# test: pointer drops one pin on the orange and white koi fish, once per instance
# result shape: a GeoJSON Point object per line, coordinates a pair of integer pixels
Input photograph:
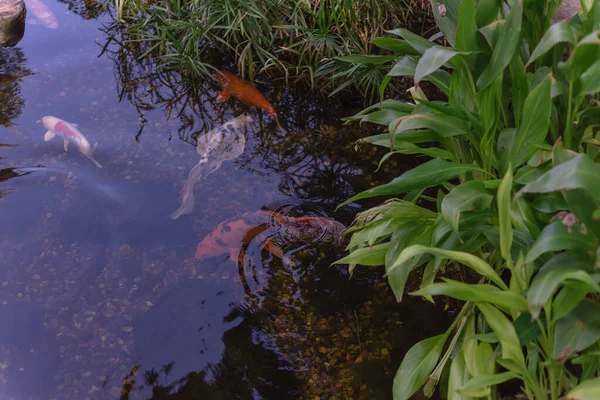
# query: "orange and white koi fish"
{"type": "Point", "coordinates": [42, 13]}
{"type": "Point", "coordinates": [70, 133]}
{"type": "Point", "coordinates": [244, 92]}
{"type": "Point", "coordinates": [272, 229]}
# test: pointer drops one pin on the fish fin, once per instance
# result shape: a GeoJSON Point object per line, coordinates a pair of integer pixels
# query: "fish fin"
{"type": "Point", "coordinates": [223, 96]}
{"type": "Point", "coordinates": [234, 254]}
{"type": "Point", "coordinates": [75, 125]}
{"type": "Point", "coordinates": [49, 135]}
{"type": "Point", "coordinates": [66, 144]}
{"type": "Point", "coordinates": [96, 163]}
{"type": "Point", "coordinates": [277, 252]}
{"type": "Point", "coordinates": [187, 200]}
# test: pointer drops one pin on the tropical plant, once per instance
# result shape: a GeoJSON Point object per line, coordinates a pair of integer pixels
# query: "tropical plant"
{"type": "Point", "coordinates": [511, 197]}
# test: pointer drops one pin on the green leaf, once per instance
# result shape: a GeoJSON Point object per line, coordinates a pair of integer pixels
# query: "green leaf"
{"type": "Point", "coordinates": [409, 148]}
{"type": "Point", "coordinates": [578, 173]}
{"type": "Point", "coordinates": [443, 125]}
{"type": "Point", "coordinates": [396, 271]}
{"type": "Point", "coordinates": [545, 284]}
{"type": "Point", "coordinates": [473, 262]}
{"type": "Point", "coordinates": [369, 256]}
{"type": "Point", "coordinates": [583, 56]}
{"type": "Point", "coordinates": [506, 233]}
{"type": "Point", "coordinates": [459, 375]}
{"type": "Point", "coordinates": [519, 88]}
{"type": "Point", "coordinates": [566, 300]}
{"type": "Point", "coordinates": [560, 32]}
{"type": "Point", "coordinates": [385, 140]}
{"type": "Point", "coordinates": [507, 300]}
{"type": "Point", "coordinates": [433, 59]}
{"type": "Point", "coordinates": [527, 331]}
{"type": "Point", "coordinates": [447, 20]}
{"type": "Point", "coordinates": [556, 237]}
{"type": "Point", "coordinates": [416, 41]}
{"type": "Point", "coordinates": [382, 117]}
{"type": "Point", "coordinates": [486, 12]}
{"type": "Point", "coordinates": [426, 175]}
{"type": "Point", "coordinates": [466, 32]}
{"type": "Point", "coordinates": [394, 45]}
{"type": "Point", "coordinates": [589, 82]}
{"type": "Point", "coordinates": [470, 196]}
{"type": "Point", "coordinates": [366, 59]}
{"type": "Point", "coordinates": [577, 330]}
{"type": "Point", "coordinates": [588, 390]}
{"type": "Point", "coordinates": [506, 46]}
{"type": "Point", "coordinates": [416, 366]}
{"type": "Point", "coordinates": [479, 386]}
{"type": "Point", "coordinates": [534, 123]}
{"type": "Point", "coordinates": [484, 359]}
{"type": "Point", "coordinates": [504, 329]}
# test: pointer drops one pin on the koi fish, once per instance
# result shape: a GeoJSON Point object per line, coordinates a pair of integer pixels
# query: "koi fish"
{"type": "Point", "coordinates": [42, 13]}
{"type": "Point", "coordinates": [70, 133]}
{"type": "Point", "coordinates": [244, 92]}
{"type": "Point", "coordinates": [272, 229]}
{"type": "Point", "coordinates": [225, 143]}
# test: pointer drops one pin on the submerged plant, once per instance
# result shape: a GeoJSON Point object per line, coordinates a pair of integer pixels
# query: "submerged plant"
{"type": "Point", "coordinates": [511, 196]}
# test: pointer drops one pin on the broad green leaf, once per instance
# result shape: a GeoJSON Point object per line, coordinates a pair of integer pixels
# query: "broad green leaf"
{"type": "Point", "coordinates": [409, 148]}
{"type": "Point", "coordinates": [527, 331]}
{"type": "Point", "coordinates": [588, 390]}
{"type": "Point", "coordinates": [383, 117]}
{"type": "Point", "coordinates": [545, 284]}
{"type": "Point", "coordinates": [578, 173]}
{"type": "Point", "coordinates": [466, 32]}
{"type": "Point", "coordinates": [492, 32]}
{"type": "Point", "coordinates": [519, 88]}
{"type": "Point", "coordinates": [577, 330]}
{"type": "Point", "coordinates": [416, 366]}
{"type": "Point", "coordinates": [534, 123]}
{"type": "Point", "coordinates": [583, 204]}
{"type": "Point", "coordinates": [433, 58]}
{"type": "Point", "coordinates": [407, 66]}
{"type": "Point", "coordinates": [486, 11]}
{"type": "Point", "coordinates": [584, 55]}
{"type": "Point", "coordinates": [507, 300]}
{"type": "Point", "coordinates": [416, 41]}
{"type": "Point", "coordinates": [479, 386]}
{"type": "Point", "coordinates": [560, 32]}
{"type": "Point", "coordinates": [445, 13]}
{"type": "Point", "coordinates": [506, 232]}
{"type": "Point", "coordinates": [471, 196]}
{"type": "Point", "coordinates": [556, 237]}
{"type": "Point", "coordinates": [394, 45]}
{"type": "Point", "coordinates": [369, 256]}
{"type": "Point", "coordinates": [505, 48]}
{"type": "Point", "coordinates": [385, 140]}
{"type": "Point", "coordinates": [484, 359]}
{"type": "Point", "coordinates": [473, 262]}
{"type": "Point", "coordinates": [396, 271]}
{"type": "Point", "coordinates": [426, 175]}
{"type": "Point", "coordinates": [566, 300]}
{"type": "Point", "coordinates": [589, 82]}
{"type": "Point", "coordinates": [366, 59]}
{"type": "Point", "coordinates": [459, 375]}
{"type": "Point", "coordinates": [443, 125]}
{"type": "Point", "coordinates": [504, 329]}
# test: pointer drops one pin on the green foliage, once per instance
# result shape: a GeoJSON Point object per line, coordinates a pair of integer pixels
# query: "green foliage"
{"type": "Point", "coordinates": [518, 197]}
{"type": "Point", "coordinates": [295, 37]}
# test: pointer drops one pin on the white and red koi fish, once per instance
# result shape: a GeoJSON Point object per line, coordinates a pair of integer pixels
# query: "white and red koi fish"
{"type": "Point", "coordinates": [70, 133]}
{"type": "Point", "coordinates": [42, 13]}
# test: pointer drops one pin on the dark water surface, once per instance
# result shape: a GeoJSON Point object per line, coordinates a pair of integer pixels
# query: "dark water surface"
{"type": "Point", "coordinates": [100, 294]}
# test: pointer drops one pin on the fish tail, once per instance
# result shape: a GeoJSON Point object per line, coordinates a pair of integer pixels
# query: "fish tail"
{"type": "Point", "coordinates": [187, 201]}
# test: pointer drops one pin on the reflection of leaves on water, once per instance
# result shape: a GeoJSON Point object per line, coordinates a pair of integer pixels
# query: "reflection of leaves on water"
{"type": "Point", "coordinates": [88, 9]}
{"type": "Point", "coordinates": [12, 71]}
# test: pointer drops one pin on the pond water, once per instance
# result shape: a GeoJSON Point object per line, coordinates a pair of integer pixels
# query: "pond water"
{"type": "Point", "coordinates": [100, 293]}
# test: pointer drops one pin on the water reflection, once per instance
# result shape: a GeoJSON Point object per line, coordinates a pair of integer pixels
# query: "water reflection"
{"type": "Point", "coordinates": [12, 72]}
{"type": "Point", "coordinates": [12, 22]}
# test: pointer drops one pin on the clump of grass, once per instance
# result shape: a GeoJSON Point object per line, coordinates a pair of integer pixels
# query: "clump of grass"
{"type": "Point", "coordinates": [290, 38]}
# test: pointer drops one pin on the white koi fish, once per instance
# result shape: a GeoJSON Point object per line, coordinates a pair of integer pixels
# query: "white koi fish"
{"type": "Point", "coordinates": [42, 13]}
{"type": "Point", "coordinates": [224, 143]}
{"type": "Point", "coordinates": [70, 133]}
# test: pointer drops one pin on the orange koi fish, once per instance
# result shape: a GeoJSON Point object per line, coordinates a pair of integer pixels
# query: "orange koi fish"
{"type": "Point", "coordinates": [272, 230]}
{"type": "Point", "coordinates": [42, 13]}
{"type": "Point", "coordinates": [244, 92]}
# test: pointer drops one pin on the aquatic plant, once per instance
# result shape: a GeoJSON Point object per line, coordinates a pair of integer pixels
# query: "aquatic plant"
{"type": "Point", "coordinates": [289, 37]}
{"type": "Point", "coordinates": [510, 198]}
